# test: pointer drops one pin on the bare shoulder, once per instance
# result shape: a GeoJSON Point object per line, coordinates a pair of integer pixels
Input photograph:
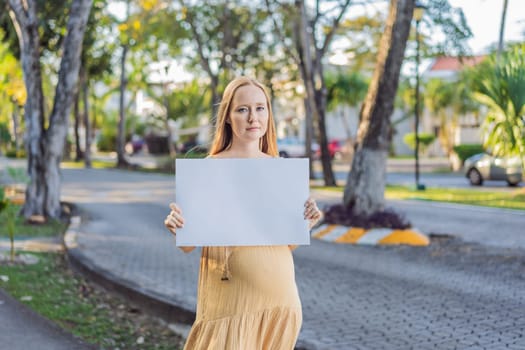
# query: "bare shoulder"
{"type": "Point", "coordinates": [223, 154]}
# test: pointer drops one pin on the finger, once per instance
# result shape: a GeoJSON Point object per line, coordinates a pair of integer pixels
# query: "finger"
{"type": "Point", "coordinates": [308, 213]}
{"type": "Point", "coordinates": [170, 227]}
{"type": "Point", "coordinates": [309, 202]}
{"type": "Point", "coordinates": [177, 216]}
{"type": "Point", "coordinates": [176, 222]}
{"type": "Point", "coordinates": [313, 213]}
{"type": "Point", "coordinates": [174, 207]}
{"type": "Point", "coordinates": [311, 207]}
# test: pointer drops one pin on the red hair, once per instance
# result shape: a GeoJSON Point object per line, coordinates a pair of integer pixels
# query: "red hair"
{"type": "Point", "coordinates": [223, 131]}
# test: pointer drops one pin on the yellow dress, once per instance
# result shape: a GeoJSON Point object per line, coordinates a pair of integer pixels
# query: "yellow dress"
{"type": "Point", "coordinates": [257, 308]}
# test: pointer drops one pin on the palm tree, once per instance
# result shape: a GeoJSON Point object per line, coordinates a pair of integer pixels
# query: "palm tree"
{"type": "Point", "coordinates": [502, 26]}
{"type": "Point", "coordinates": [500, 85]}
{"type": "Point", "coordinates": [345, 89]}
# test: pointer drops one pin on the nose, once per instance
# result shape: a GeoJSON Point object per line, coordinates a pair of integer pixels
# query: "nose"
{"type": "Point", "coordinates": [251, 116]}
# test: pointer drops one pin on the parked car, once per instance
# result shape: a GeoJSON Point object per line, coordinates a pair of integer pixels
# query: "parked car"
{"type": "Point", "coordinates": [293, 147]}
{"type": "Point", "coordinates": [338, 149]}
{"type": "Point", "coordinates": [483, 166]}
{"type": "Point", "coordinates": [136, 145]}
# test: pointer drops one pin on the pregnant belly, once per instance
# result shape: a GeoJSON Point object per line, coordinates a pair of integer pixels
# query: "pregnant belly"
{"type": "Point", "coordinates": [268, 270]}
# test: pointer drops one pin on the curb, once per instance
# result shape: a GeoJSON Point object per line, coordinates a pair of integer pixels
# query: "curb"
{"type": "Point", "coordinates": [375, 236]}
{"type": "Point", "coordinates": [148, 300]}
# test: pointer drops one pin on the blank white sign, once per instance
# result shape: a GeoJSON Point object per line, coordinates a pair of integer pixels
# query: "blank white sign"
{"type": "Point", "coordinates": [238, 202]}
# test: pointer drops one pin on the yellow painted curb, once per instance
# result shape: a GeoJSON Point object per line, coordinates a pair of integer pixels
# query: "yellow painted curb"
{"type": "Point", "coordinates": [376, 236]}
{"type": "Point", "coordinates": [409, 237]}
{"type": "Point", "coordinates": [351, 236]}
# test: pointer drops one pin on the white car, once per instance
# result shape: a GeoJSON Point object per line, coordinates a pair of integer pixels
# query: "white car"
{"type": "Point", "coordinates": [293, 147]}
{"type": "Point", "coordinates": [483, 166]}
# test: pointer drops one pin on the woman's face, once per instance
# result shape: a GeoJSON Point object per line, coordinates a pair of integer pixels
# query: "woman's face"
{"type": "Point", "coordinates": [248, 114]}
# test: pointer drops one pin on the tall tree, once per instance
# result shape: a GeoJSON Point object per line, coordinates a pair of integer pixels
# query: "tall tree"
{"type": "Point", "coordinates": [126, 41]}
{"type": "Point", "coordinates": [364, 191]}
{"type": "Point", "coordinates": [224, 36]}
{"type": "Point", "coordinates": [97, 52]}
{"type": "Point", "coordinates": [345, 89]}
{"type": "Point", "coordinates": [314, 29]}
{"type": "Point", "coordinates": [45, 145]}
{"type": "Point", "coordinates": [142, 31]}
{"type": "Point", "coordinates": [502, 26]}
{"type": "Point", "coordinates": [500, 85]}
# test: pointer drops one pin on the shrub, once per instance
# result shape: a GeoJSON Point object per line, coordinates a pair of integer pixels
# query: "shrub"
{"type": "Point", "coordinates": [425, 139]}
{"type": "Point", "coordinates": [13, 153]}
{"type": "Point", "coordinates": [107, 142]}
{"type": "Point", "coordinates": [467, 150]}
{"type": "Point", "coordinates": [340, 215]}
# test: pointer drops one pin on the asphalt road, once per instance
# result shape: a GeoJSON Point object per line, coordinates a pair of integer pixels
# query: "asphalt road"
{"type": "Point", "coordinates": [475, 224]}
{"type": "Point", "coordinates": [451, 295]}
{"type": "Point", "coordinates": [439, 180]}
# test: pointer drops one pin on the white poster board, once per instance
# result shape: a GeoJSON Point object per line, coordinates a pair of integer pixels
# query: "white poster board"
{"type": "Point", "coordinates": [237, 202]}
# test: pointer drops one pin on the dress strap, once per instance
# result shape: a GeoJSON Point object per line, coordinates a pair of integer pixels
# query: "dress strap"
{"type": "Point", "coordinates": [226, 253]}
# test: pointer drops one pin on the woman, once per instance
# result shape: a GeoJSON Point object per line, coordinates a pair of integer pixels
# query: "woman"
{"type": "Point", "coordinates": [247, 296]}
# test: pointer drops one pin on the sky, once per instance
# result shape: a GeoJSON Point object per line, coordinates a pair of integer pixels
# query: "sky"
{"type": "Point", "coordinates": [484, 19]}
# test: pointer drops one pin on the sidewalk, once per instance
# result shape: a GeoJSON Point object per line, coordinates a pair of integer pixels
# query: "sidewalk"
{"type": "Point", "coordinates": [23, 329]}
{"type": "Point", "coordinates": [122, 244]}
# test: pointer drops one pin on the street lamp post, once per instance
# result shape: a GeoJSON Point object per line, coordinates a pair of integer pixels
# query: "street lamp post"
{"type": "Point", "coordinates": [418, 14]}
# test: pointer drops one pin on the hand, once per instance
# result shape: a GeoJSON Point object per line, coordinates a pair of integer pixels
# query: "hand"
{"type": "Point", "coordinates": [311, 212]}
{"type": "Point", "coordinates": [174, 220]}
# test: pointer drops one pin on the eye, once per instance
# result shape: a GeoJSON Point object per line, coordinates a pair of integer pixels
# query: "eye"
{"type": "Point", "coordinates": [261, 108]}
{"type": "Point", "coordinates": [242, 109]}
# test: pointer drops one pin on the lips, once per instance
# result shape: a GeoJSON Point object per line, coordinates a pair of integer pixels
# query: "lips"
{"type": "Point", "coordinates": [252, 129]}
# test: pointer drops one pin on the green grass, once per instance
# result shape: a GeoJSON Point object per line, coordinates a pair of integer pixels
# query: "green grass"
{"type": "Point", "coordinates": [508, 200]}
{"type": "Point", "coordinates": [96, 164]}
{"type": "Point", "coordinates": [71, 302]}
{"type": "Point", "coordinates": [23, 230]}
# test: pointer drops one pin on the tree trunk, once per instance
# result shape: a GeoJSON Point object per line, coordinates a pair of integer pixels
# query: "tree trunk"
{"type": "Point", "coordinates": [316, 98]}
{"type": "Point", "coordinates": [346, 125]}
{"type": "Point", "coordinates": [364, 191]}
{"type": "Point", "coordinates": [320, 102]}
{"type": "Point", "coordinates": [309, 135]}
{"type": "Point", "coordinates": [26, 22]}
{"type": "Point", "coordinates": [44, 148]}
{"type": "Point", "coordinates": [87, 125]}
{"type": "Point", "coordinates": [502, 27]}
{"type": "Point", "coordinates": [16, 129]}
{"type": "Point", "coordinates": [305, 67]}
{"type": "Point", "coordinates": [67, 82]}
{"type": "Point", "coordinates": [171, 147]}
{"type": "Point", "coordinates": [215, 99]}
{"type": "Point", "coordinates": [121, 160]}
{"type": "Point", "coordinates": [76, 112]}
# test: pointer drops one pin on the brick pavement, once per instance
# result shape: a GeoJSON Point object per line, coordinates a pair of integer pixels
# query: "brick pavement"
{"type": "Point", "coordinates": [354, 297]}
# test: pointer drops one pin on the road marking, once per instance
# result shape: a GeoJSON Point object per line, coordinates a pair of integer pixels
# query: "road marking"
{"type": "Point", "coordinates": [376, 236]}
{"type": "Point", "coordinates": [335, 233]}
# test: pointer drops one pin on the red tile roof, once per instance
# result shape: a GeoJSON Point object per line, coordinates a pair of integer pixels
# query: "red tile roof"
{"type": "Point", "coordinates": [454, 63]}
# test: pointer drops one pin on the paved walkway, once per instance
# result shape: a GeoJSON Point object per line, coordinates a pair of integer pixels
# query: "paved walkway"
{"type": "Point", "coordinates": [122, 239]}
{"type": "Point", "coordinates": [23, 329]}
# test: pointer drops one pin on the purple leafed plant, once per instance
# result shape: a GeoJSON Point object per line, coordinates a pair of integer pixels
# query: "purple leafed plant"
{"type": "Point", "coordinates": [339, 214]}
